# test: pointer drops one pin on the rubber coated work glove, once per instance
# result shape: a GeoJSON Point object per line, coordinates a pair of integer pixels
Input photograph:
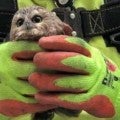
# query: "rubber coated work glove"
{"type": "Point", "coordinates": [16, 94]}
{"type": "Point", "coordinates": [76, 76]}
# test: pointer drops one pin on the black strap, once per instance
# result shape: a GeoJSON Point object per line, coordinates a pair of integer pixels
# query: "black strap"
{"type": "Point", "coordinates": [110, 1]}
{"type": "Point", "coordinates": [64, 15]}
{"type": "Point", "coordinates": [102, 21]}
{"type": "Point", "coordinates": [7, 10]}
{"type": "Point", "coordinates": [94, 22]}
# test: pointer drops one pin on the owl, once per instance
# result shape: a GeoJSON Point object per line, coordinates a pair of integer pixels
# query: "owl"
{"type": "Point", "coordinates": [32, 23]}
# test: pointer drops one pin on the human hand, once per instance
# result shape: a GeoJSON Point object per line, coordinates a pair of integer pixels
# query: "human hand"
{"type": "Point", "coordinates": [82, 77]}
{"type": "Point", "coordinates": [16, 94]}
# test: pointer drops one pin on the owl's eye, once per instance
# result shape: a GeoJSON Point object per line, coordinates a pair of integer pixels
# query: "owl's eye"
{"type": "Point", "coordinates": [36, 19]}
{"type": "Point", "coordinates": [20, 22]}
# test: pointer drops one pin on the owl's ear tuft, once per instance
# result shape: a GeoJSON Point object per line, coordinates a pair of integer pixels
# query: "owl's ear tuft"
{"type": "Point", "coordinates": [67, 29]}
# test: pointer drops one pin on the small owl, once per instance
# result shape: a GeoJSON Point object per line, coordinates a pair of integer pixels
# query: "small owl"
{"type": "Point", "coordinates": [33, 22]}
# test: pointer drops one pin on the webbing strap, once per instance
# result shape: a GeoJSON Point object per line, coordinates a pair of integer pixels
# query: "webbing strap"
{"type": "Point", "coordinates": [92, 23]}
{"type": "Point", "coordinates": [7, 10]}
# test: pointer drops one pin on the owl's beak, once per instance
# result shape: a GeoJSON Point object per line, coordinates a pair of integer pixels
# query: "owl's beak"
{"type": "Point", "coordinates": [28, 26]}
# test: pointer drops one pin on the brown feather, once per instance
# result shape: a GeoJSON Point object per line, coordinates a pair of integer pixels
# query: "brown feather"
{"type": "Point", "coordinates": [49, 25]}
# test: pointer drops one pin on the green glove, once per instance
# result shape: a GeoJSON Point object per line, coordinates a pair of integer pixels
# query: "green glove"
{"type": "Point", "coordinates": [16, 94]}
{"type": "Point", "coordinates": [84, 78]}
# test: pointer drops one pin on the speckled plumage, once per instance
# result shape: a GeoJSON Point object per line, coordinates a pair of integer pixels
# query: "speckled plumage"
{"type": "Point", "coordinates": [24, 26]}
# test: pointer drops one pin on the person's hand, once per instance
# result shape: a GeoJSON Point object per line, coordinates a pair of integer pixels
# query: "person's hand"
{"type": "Point", "coordinates": [76, 76]}
{"type": "Point", "coordinates": [16, 94]}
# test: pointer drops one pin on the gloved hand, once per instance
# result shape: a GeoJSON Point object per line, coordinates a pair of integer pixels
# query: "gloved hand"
{"type": "Point", "coordinates": [16, 94]}
{"type": "Point", "coordinates": [76, 76]}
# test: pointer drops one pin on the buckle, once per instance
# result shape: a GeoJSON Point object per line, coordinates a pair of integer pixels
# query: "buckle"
{"type": "Point", "coordinates": [115, 38]}
{"type": "Point", "coordinates": [64, 3]}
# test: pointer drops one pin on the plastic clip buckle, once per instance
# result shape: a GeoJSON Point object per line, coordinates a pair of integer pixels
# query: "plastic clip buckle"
{"type": "Point", "coordinates": [115, 39]}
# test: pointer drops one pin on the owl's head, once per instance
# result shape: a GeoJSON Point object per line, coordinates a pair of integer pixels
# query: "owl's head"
{"type": "Point", "coordinates": [35, 22]}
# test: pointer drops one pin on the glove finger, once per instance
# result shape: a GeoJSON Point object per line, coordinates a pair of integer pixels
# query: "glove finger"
{"type": "Point", "coordinates": [18, 56]}
{"type": "Point", "coordinates": [15, 108]}
{"type": "Point", "coordinates": [23, 56]}
{"type": "Point", "coordinates": [65, 43]}
{"type": "Point", "coordinates": [23, 63]}
{"type": "Point", "coordinates": [18, 46]}
{"type": "Point", "coordinates": [61, 82]}
{"type": "Point", "coordinates": [65, 61]}
{"type": "Point", "coordinates": [99, 105]}
{"type": "Point", "coordinates": [22, 87]}
{"type": "Point", "coordinates": [18, 93]}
